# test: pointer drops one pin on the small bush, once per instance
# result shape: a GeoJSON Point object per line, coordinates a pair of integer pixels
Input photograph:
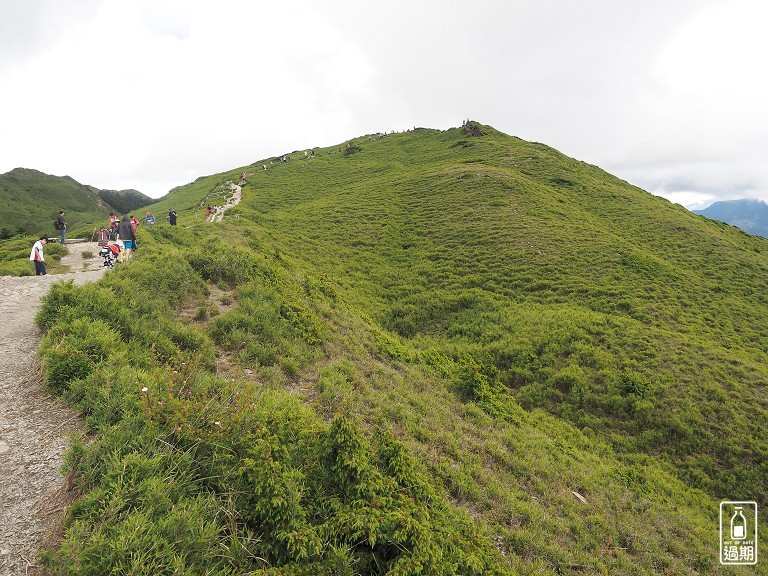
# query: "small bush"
{"type": "Point", "coordinates": [634, 384]}
{"type": "Point", "coordinates": [334, 385]}
{"type": "Point", "coordinates": [570, 377]}
{"type": "Point", "coordinates": [72, 351]}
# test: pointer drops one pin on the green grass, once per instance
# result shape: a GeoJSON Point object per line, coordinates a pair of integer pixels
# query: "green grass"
{"type": "Point", "coordinates": [536, 264]}
{"type": "Point", "coordinates": [430, 350]}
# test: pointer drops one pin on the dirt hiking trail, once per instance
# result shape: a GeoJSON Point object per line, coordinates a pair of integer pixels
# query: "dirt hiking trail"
{"type": "Point", "coordinates": [34, 427]}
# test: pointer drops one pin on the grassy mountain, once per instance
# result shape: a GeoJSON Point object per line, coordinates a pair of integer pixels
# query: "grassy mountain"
{"type": "Point", "coordinates": [435, 352]}
{"type": "Point", "coordinates": [749, 215]}
{"type": "Point", "coordinates": [124, 201]}
{"type": "Point", "coordinates": [29, 201]}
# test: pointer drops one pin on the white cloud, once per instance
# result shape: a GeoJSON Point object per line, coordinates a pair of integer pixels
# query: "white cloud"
{"type": "Point", "coordinates": [691, 200]}
{"type": "Point", "coordinates": [158, 92]}
{"type": "Point", "coordinates": [700, 115]}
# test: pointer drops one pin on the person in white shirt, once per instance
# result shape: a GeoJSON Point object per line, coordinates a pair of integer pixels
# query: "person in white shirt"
{"type": "Point", "coordinates": [37, 256]}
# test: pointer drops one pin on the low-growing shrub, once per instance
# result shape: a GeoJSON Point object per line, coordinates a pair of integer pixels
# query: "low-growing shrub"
{"type": "Point", "coordinates": [71, 351]}
{"type": "Point", "coordinates": [218, 262]}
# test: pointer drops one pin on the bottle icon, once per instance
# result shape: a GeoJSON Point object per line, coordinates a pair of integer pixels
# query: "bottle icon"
{"type": "Point", "coordinates": [738, 525]}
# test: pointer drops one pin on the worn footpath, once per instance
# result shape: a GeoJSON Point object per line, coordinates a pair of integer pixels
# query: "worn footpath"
{"type": "Point", "coordinates": [34, 427]}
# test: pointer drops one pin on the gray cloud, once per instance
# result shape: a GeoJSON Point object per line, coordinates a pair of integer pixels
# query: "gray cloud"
{"type": "Point", "coordinates": [664, 94]}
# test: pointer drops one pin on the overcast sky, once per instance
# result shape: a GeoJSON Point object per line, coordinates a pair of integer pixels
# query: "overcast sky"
{"type": "Point", "coordinates": [671, 95]}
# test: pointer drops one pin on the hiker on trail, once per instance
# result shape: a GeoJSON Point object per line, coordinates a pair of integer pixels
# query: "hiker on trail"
{"type": "Point", "coordinates": [36, 256]}
{"type": "Point", "coordinates": [113, 221]}
{"type": "Point", "coordinates": [171, 216]}
{"type": "Point", "coordinates": [127, 235]}
{"type": "Point", "coordinates": [61, 225]}
{"type": "Point", "coordinates": [242, 179]}
{"type": "Point", "coordinates": [149, 219]}
{"type": "Point", "coordinates": [134, 223]}
{"type": "Point", "coordinates": [102, 236]}
{"type": "Point", "coordinates": [208, 213]}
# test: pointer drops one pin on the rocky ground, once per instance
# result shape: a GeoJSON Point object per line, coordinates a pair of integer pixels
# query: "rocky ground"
{"type": "Point", "coordinates": [34, 427]}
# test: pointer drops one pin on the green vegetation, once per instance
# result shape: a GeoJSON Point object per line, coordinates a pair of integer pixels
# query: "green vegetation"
{"type": "Point", "coordinates": [441, 354]}
{"type": "Point", "coordinates": [30, 200]}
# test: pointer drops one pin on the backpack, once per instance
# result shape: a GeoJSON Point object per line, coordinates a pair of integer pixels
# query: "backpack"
{"type": "Point", "coordinates": [57, 224]}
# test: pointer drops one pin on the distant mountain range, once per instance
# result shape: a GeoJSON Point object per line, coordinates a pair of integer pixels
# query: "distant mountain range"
{"type": "Point", "coordinates": [29, 201]}
{"type": "Point", "coordinates": [750, 215]}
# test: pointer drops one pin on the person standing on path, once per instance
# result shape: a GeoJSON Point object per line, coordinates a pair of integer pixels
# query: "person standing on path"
{"type": "Point", "coordinates": [62, 225]}
{"type": "Point", "coordinates": [127, 235]}
{"type": "Point", "coordinates": [171, 216]}
{"type": "Point", "coordinates": [37, 256]}
{"type": "Point", "coordinates": [102, 236]}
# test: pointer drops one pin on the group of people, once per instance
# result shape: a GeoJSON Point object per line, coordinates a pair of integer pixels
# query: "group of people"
{"type": "Point", "coordinates": [123, 230]}
{"type": "Point", "coordinates": [114, 222]}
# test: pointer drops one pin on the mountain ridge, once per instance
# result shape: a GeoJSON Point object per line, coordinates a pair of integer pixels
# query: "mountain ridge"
{"type": "Point", "coordinates": [749, 214]}
{"type": "Point", "coordinates": [30, 199]}
{"type": "Point", "coordinates": [439, 354]}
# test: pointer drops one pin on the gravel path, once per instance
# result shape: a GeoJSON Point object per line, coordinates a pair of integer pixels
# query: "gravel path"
{"type": "Point", "coordinates": [34, 427]}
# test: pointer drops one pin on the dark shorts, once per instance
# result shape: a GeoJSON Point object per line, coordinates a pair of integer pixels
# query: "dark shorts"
{"type": "Point", "coordinates": [40, 268]}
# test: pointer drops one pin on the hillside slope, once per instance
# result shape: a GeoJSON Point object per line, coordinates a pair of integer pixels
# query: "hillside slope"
{"type": "Point", "coordinates": [427, 353]}
{"type": "Point", "coordinates": [29, 201]}
{"type": "Point", "coordinates": [578, 293]}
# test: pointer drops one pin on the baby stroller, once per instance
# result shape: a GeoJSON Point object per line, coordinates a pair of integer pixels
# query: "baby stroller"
{"type": "Point", "coordinates": [109, 255]}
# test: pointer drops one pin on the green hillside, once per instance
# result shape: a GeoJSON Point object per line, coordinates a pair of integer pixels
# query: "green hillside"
{"type": "Point", "coordinates": [30, 200]}
{"type": "Point", "coordinates": [427, 353]}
